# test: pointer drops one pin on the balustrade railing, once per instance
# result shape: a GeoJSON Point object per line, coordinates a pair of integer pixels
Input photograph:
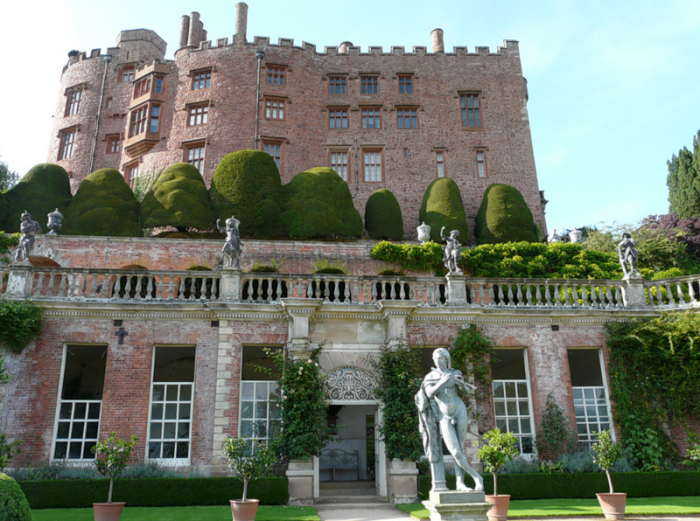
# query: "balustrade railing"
{"type": "Point", "coordinates": [674, 292]}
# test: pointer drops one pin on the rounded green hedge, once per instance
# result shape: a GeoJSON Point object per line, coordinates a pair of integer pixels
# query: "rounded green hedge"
{"type": "Point", "coordinates": [178, 198]}
{"type": "Point", "coordinates": [13, 503]}
{"type": "Point", "coordinates": [103, 205]}
{"type": "Point", "coordinates": [383, 218]}
{"type": "Point", "coordinates": [43, 189]}
{"type": "Point", "coordinates": [504, 217]}
{"type": "Point", "coordinates": [442, 206]}
{"type": "Point", "coordinates": [318, 203]}
{"type": "Point", "coordinates": [4, 209]}
{"type": "Point", "coordinates": [247, 184]}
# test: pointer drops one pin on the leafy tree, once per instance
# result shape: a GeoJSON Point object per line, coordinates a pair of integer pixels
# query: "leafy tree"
{"type": "Point", "coordinates": [8, 450]}
{"type": "Point", "coordinates": [383, 218]}
{"type": "Point", "coordinates": [607, 452]}
{"type": "Point", "coordinates": [112, 456]}
{"type": "Point", "coordinates": [554, 435]}
{"type": "Point", "coordinates": [504, 217]}
{"type": "Point", "coordinates": [442, 206]}
{"type": "Point", "coordinates": [248, 466]}
{"type": "Point", "coordinates": [500, 448]}
{"type": "Point", "coordinates": [683, 181]}
{"type": "Point", "coordinates": [8, 178]}
{"type": "Point", "coordinates": [683, 230]}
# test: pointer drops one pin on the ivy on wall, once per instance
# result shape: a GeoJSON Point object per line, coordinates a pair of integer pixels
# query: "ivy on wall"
{"type": "Point", "coordinates": [472, 353]}
{"type": "Point", "coordinates": [20, 323]}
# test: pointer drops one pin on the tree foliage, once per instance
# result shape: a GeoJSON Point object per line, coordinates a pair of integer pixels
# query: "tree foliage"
{"type": "Point", "coordinates": [13, 503]}
{"type": "Point", "coordinates": [683, 181]}
{"type": "Point", "coordinates": [500, 448]}
{"type": "Point", "coordinates": [554, 433]}
{"type": "Point", "coordinates": [112, 456]}
{"type": "Point", "coordinates": [20, 323]}
{"type": "Point", "coordinates": [607, 452]}
{"type": "Point", "coordinates": [8, 178]}
{"type": "Point", "coordinates": [442, 206]}
{"type": "Point", "coordinates": [383, 218]}
{"type": "Point", "coordinates": [248, 465]}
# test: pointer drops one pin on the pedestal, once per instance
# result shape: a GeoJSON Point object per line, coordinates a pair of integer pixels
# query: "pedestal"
{"type": "Point", "coordinates": [457, 506]}
{"type": "Point", "coordinates": [456, 290]}
{"type": "Point", "coordinates": [300, 474]}
{"type": "Point", "coordinates": [230, 284]}
{"type": "Point", "coordinates": [402, 478]}
{"type": "Point", "coordinates": [633, 291]}
{"type": "Point", "coordinates": [18, 280]}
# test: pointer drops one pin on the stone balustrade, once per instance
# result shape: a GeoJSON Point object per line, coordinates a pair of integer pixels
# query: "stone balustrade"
{"type": "Point", "coordinates": [142, 286]}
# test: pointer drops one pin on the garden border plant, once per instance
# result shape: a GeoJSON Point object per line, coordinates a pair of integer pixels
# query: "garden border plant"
{"type": "Point", "coordinates": [20, 323]}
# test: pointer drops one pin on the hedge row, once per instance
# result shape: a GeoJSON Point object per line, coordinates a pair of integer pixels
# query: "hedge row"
{"type": "Point", "coordinates": [152, 492]}
{"type": "Point", "coordinates": [584, 485]}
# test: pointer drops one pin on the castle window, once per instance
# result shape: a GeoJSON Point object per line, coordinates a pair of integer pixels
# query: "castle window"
{"type": "Point", "coordinates": [80, 403]}
{"type": "Point", "coordinates": [67, 143]}
{"type": "Point", "coordinates": [197, 115]}
{"type": "Point", "coordinates": [370, 84]}
{"type": "Point", "coordinates": [407, 117]}
{"type": "Point", "coordinates": [481, 164]}
{"type": "Point", "coordinates": [338, 118]}
{"type": "Point", "coordinates": [371, 117]}
{"type": "Point", "coordinates": [512, 398]}
{"type": "Point", "coordinates": [131, 172]}
{"type": "Point", "coordinates": [440, 163]}
{"type": "Point", "coordinates": [337, 84]}
{"type": "Point", "coordinates": [274, 108]}
{"type": "Point", "coordinates": [155, 115]}
{"type": "Point", "coordinates": [274, 148]}
{"type": "Point", "coordinates": [127, 74]}
{"type": "Point", "coordinates": [275, 74]}
{"type": "Point", "coordinates": [138, 121]}
{"type": "Point", "coordinates": [73, 102]}
{"type": "Point", "coordinates": [339, 163]}
{"type": "Point", "coordinates": [201, 79]}
{"type": "Point", "coordinates": [158, 87]}
{"type": "Point", "coordinates": [109, 103]}
{"type": "Point", "coordinates": [259, 414]}
{"type": "Point", "coordinates": [113, 143]}
{"type": "Point", "coordinates": [170, 416]}
{"type": "Point", "coordinates": [141, 88]}
{"type": "Point", "coordinates": [194, 155]}
{"type": "Point", "coordinates": [405, 84]}
{"type": "Point", "coordinates": [373, 165]}
{"type": "Point", "coordinates": [471, 110]}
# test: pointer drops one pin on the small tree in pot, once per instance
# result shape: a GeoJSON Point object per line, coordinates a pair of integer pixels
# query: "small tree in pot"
{"type": "Point", "coordinates": [249, 465]}
{"type": "Point", "coordinates": [111, 458]}
{"type": "Point", "coordinates": [500, 448]}
{"type": "Point", "coordinates": [607, 452]}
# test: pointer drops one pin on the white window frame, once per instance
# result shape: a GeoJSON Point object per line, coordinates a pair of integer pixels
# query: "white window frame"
{"type": "Point", "coordinates": [170, 461]}
{"type": "Point", "coordinates": [269, 419]}
{"type": "Point", "coordinates": [603, 374]}
{"type": "Point", "coordinates": [57, 419]}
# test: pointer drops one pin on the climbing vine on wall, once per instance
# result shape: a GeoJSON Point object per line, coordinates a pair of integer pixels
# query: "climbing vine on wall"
{"type": "Point", "coordinates": [472, 353]}
{"type": "Point", "coordinates": [20, 323]}
{"type": "Point", "coordinates": [654, 382]}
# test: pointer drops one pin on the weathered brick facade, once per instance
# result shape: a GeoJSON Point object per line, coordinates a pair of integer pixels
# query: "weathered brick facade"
{"type": "Point", "coordinates": [235, 121]}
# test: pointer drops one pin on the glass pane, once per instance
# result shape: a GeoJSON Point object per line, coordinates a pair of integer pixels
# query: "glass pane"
{"type": "Point", "coordinates": [525, 425]}
{"type": "Point", "coordinates": [91, 431]}
{"type": "Point", "coordinates": [524, 408]}
{"type": "Point", "coordinates": [154, 449]}
{"type": "Point", "coordinates": [498, 389]}
{"type": "Point", "coordinates": [527, 445]}
{"type": "Point", "coordinates": [63, 430]}
{"type": "Point", "coordinates": [66, 409]}
{"type": "Point", "coordinates": [80, 410]}
{"type": "Point", "coordinates": [513, 426]}
{"type": "Point", "coordinates": [87, 450]}
{"type": "Point", "coordinates": [171, 395]}
{"type": "Point", "coordinates": [600, 393]}
{"type": "Point", "coordinates": [76, 449]}
{"type": "Point", "coordinates": [501, 424]}
{"type": "Point", "coordinates": [158, 393]}
{"type": "Point", "coordinates": [156, 430]}
{"type": "Point", "coordinates": [169, 430]}
{"type": "Point", "coordinates": [602, 411]}
{"type": "Point", "coordinates": [604, 426]}
{"type": "Point", "coordinates": [247, 410]}
{"type": "Point", "coordinates": [274, 410]}
{"type": "Point", "coordinates": [590, 411]}
{"type": "Point", "coordinates": [94, 411]}
{"type": "Point", "coordinates": [183, 430]}
{"type": "Point", "coordinates": [510, 390]}
{"type": "Point", "coordinates": [157, 411]}
{"type": "Point", "coordinates": [261, 410]}
{"type": "Point", "coordinates": [185, 393]}
{"type": "Point", "coordinates": [273, 385]}
{"type": "Point", "coordinates": [500, 408]}
{"type": "Point", "coordinates": [247, 390]}
{"type": "Point", "coordinates": [171, 411]}
{"type": "Point", "coordinates": [511, 407]}
{"type": "Point", "coordinates": [169, 449]}
{"type": "Point", "coordinates": [77, 430]}
{"type": "Point", "coordinates": [522, 389]}
{"type": "Point", "coordinates": [581, 428]}
{"type": "Point", "coordinates": [261, 391]}
{"type": "Point", "coordinates": [589, 394]}
{"type": "Point", "coordinates": [578, 394]}
{"type": "Point", "coordinates": [260, 429]}
{"type": "Point", "coordinates": [246, 429]}
{"type": "Point", "coordinates": [183, 449]}
{"type": "Point", "coordinates": [184, 411]}
{"type": "Point", "coordinates": [61, 450]}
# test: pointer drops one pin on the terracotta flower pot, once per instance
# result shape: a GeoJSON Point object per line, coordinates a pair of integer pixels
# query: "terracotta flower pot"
{"type": "Point", "coordinates": [613, 505]}
{"type": "Point", "coordinates": [107, 511]}
{"type": "Point", "coordinates": [499, 510]}
{"type": "Point", "coordinates": [244, 510]}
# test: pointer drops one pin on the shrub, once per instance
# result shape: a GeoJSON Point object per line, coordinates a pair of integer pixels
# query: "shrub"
{"type": "Point", "coordinates": [326, 266]}
{"type": "Point", "coordinates": [20, 323]}
{"type": "Point", "coordinates": [111, 457]}
{"type": "Point", "coordinates": [13, 503]}
{"type": "Point", "coordinates": [8, 450]}
{"type": "Point", "coordinates": [519, 466]}
{"type": "Point", "coordinates": [607, 452]}
{"type": "Point", "coordinates": [4, 209]}
{"type": "Point", "coordinates": [43, 189]}
{"type": "Point", "coordinates": [247, 184]}
{"type": "Point", "coordinates": [383, 218]}
{"type": "Point", "coordinates": [442, 206]}
{"type": "Point", "coordinates": [103, 205]}
{"type": "Point", "coordinates": [178, 198]}
{"type": "Point", "coordinates": [504, 217]}
{"type": "Point", "coordinates": [499, 449]}
{"type": "Point", "coordinates": [247, 465]}
{"type": "Point", "coordinates": [554, 435]}
{"type": "Point", "coordinates": [318, 203]}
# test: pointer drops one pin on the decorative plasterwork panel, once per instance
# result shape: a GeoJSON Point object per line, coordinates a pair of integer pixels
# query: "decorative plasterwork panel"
{"type": "Point", "coordinates": [352, 384]}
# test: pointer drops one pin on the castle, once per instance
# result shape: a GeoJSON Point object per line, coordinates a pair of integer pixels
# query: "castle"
{"type": "Point", "coordinates": [395, 120]}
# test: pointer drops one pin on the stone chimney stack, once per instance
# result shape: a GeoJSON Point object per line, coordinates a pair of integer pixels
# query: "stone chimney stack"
{"type": "Point", "coordinates": [344, 47]}
{"type": "Point", "coordinates": [241, 22]}
{"type": "Point", "coordinates": [438, 42]}
{"type": "Point", "coordinates": [184, 30]}
{"type": "Point", "coordinates": [194, 36]}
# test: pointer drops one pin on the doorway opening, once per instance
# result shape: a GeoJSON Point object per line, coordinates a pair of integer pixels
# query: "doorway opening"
{"type": "Point", "coordinates": [352, 455]}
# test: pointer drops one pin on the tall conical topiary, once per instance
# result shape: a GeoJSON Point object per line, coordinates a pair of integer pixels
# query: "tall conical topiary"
{"type": "Point", "coordinates": [383, 218]}
{"type": "Point", "coordinates": [103, 205]}
{"type": "Point", "coordinates": [442, 206]}
{"type": "Point", "coordinates": [43, 189]}
{"type": "Point", "coordinates": [504, 217]}
{"type": "Point", "coordinates": [247, 184]}
{"type": "Point", "coordinates": [318, 203]}
{"type": "Point", "coordinates": [178, 198]}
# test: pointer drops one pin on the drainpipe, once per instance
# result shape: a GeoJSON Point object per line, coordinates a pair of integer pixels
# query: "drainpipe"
{"type": "Point", "coordinates": [259, 55]}
{"type": "Point", "coordinates": [107, 58]}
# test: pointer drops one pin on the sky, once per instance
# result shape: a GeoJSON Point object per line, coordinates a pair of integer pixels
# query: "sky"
{"type": "Point", "coordinates": [614, 85]}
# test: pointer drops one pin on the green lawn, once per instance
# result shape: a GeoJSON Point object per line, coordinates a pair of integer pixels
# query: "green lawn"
{"type": "Point", "coordinates": [218, 513]}
{"type": "Point", "coordinates": [584, 507]}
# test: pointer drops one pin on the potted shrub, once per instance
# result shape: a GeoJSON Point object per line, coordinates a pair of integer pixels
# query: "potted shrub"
{"type": "Point", "coordinates": [111, 457]}
{"type": "Point", "coordinates": [248, 466]}
{"type": "Point", "coordinates": [607, 452]}
{"type": "Point", "coordinates": [500, 448]}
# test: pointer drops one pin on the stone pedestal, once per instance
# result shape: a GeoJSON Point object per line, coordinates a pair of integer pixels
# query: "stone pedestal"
{"type": "Point", "coordinates": [457, 506]}
{"type": "Point", "coordinates": [301, 482]}
{"type": "Point", "coordinates": [402, 481]}
{"type": "Point", "coordinates": [230, 289]}
{"type": "Point", "coordinates": [18, 280]}
{"type": "Point", "coordinates": [456, 290]}
{"type": "Point", "coordinates": [633, 291]}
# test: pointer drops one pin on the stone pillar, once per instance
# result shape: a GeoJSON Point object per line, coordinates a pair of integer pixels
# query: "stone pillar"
{"type": "Point", "coordinates": [456, 290]}
{"type": "Point", "coordinates": [300, 311]}
{"type": "Point", "coordinates": [19, 280]}
{"type": "Point", "coordinates": [396, 312]}
{"type": "Point", "coordinates": [194, 37]}
{"type": "Point", "coordinates": [457, 506]}
{"type": "Point", "coordinates": [184, 30]}
{"type": "Point", "coordinates": [633, 291]}
{"type": "Point", "coordinates": [438, 43]}
{"type": "Point", "coordinates": [301, 482]}
{"type": "Point", "coordinates": [230, 290]}
{"type": "Point", "coordinates": [223, 402]}
{"type": "Point", "coordinates": [402, 481]}
{"type": "Point", "coordinates": [241, 23]}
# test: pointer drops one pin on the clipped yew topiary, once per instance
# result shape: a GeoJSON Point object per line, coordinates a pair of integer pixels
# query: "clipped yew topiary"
{"type": "Point", "coordinates": [103, 205]}
{"type": "Point", "coordinates": [442, 206]}
{"type": "Point", "coordinates": [178, 198]}
{"type": "Point", "coordinates": [247, 184]}
{"type": "Point", "coordinates": [383, 218]}
{"type": "Point", "coordinates": [318, 203]}
{"type": "Point", "coordinates": [4, 209]}
{"type": "Point", "coordinates": [43, 189]}
{"type": "Point", "coordinates": [13, 503]}
{"type": "Point", "coordinates": [504, 217]}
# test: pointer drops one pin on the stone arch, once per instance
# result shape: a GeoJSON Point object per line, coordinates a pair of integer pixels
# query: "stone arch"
{"type": "Point", "coordinates": [351, 383]}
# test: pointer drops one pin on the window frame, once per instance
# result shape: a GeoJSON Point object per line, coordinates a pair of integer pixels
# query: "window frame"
{"type": "Point", "coordinates": [405, 80]}
{"type": "Point", "coordinates": [145, 118]}
{"type": "Point", "coordinates": [332, 79]}
{"type": "Point", "coordinates": [464, 110]}
{"type": "Point", "coordinates": [373, 150]}
{"type": "Point", "coordinates": [278, 142]}
{"type": "Point", "coordinates": [111, 139]}
{"type": "Point", "coordinates": [128, 167]}
{"type": "Point", "coordinates": [70, 131]}
{"type": "Point", "coordinates": [368, 83]}
{"type": "Point", "coordinates": [204, 119]}
{"type": "Point", "coordinates": [481, 151]}
{"type": "Point", "coordinates": [374, 108]}
{"type": "Point", "coordinates": [272, 100]}
{"type": "Point", "coordinates": [127, 74]}
{"type": "Point", "coordinates": [73, 105]}
{"type": "Point", "coordinates": [196, 81]}
{"type": "Point", "coordinates": [440, 159]}
{"type": "Point", "coordinates": [346, 165]}
{"type": "Point", "coordinates": [401, 118]}
{"type": "Point", "coordinates": [142, 87]}
{"type": "Point", "coordinates": [192, 145]}
{"type": "Point", "coordinates": [344, 117]}
{"type": "Point", "coordinates": [276, 74]}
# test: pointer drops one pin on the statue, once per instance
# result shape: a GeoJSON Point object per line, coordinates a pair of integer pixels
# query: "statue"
{"type": "Point", "coordinates": [628, 255]}
{"type": "Point", "coordinates": [232, 247]}
{"type": "Point", "coordinates": [575, 236]}
{"type": "Point", "coordinates": [55, 222]}
{"type": "Point", "coordinates": [29, 227]}
{"type": "Point", "coordinates": [453, 252]}
{"type": "Point", "coordinates": [553, 237]}
{"type": "Point", "coordinates": [423, 233]}
{"type": "Point", "coordinates": [443, 415]}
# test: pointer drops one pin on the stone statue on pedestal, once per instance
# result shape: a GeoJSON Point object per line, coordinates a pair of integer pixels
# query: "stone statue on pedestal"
{"type": "Point", "coordinates": [233, 246]}
{"type": "Point", "coordinates": [443, 417]}
{"type": "Point", "coordinates": [29, 227]}
{"type": "Point", "coordinates": [628, 256]}
{"type": "Point", "coordinates": [453, 252]}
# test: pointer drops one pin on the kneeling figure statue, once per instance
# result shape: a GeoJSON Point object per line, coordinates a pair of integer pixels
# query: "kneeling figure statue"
{"type": "Point", "coordinates": [233, 246]}
{"type": "Point", "coordinates": [29, 227]}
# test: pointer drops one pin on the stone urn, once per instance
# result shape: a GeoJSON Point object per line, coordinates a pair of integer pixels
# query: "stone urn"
{"type": "Point", "coordinates": [244, 510]}
{"type": "Point", "coordinates": [499, 510]}
{"type": "Point", "coordinates": [108, 511]}
{"type": "Point", "coordinates": [55, 222]}
{"type": "Point", "coordinates": [575, 236]}
{"type": "Point", "coordinates": [423, 233]}
{"type": "Point", "coordinates": [613, 505]}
